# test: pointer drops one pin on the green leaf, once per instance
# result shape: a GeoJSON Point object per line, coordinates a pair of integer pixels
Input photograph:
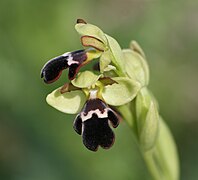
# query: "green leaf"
{"type": "Point", "coordinates": [121, 93]}
{"type": "Point", "coordinates": [91, 30]}
{"type": "Point", "coordinates": [85, 79]}
{"type": "Point", "coordinates": [70, 102]}
{"type": "Point", "coordinates": [117, 56]}
{"type": "Point", "coordinates": [147, 118]}
{"type": "Point", "coordinates": [136, 66]}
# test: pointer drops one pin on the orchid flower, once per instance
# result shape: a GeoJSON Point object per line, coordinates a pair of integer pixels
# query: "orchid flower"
{"type": "Point", "coordinates": [118, 91]}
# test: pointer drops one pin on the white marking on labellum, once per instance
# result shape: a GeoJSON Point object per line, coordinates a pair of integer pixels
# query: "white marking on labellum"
{"type": "Point", "coordinates": [96, 111]}
{"type": "Point", "coordinates": [70, 60]}
{"type": "Point", "coordinates": [93, 94]}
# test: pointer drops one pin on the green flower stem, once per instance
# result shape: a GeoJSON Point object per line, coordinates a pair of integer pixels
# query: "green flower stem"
{"type": "Point", "coordinates": [149, 159]}
{"type": "Point", "coordinates": [152, 166]}
{"type": "Point", "coordinates": [162, 160]}
{"type": "Point", "coordinates": [125, 110]}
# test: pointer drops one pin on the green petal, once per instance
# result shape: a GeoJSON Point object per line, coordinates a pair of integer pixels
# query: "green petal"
{"type": "Point", "coordinates": [136, 66]}
{"type": "Point", "coordinates": [147, 119]}
{"type": "Point", "coordinates": [121, 92]}
{"type": "Point", "coordinates": [70, 102]}
{"type": "Point", "coordinates": [91, 30]}
{"type": "Point", "coordinates": [85, 79]}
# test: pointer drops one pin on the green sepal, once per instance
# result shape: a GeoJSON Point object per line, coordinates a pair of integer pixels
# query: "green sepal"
{"type": "Point", "coordinates": [91, 30]}
{"type": "Point", "coordinates": [116, 52]}
{"type": "Point", "coordinates": [85, 79]}
{"type": "Point", "coordinates": [105, 60]}
{"type": "Point", "coordinates": [147, 119]}
{"type": "Point", "coordinates": [136, 66]}
{"type": "Point", "coordinates": [122, 92]}
{"type": "Point", "coordinates": [69, 102]}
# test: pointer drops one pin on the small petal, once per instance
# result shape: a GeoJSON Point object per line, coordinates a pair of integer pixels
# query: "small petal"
{"type": "Point", "coordinates": [89, 41]}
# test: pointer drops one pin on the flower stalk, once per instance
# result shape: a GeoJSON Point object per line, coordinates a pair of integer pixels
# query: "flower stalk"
{"type": "Point", "coordinates": [121, 83]}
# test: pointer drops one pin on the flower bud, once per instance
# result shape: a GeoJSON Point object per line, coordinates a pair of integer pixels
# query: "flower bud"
{"type": "Point", "coordinates": [136, 66]}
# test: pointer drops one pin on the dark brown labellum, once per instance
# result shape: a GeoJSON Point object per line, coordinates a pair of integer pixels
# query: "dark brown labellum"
{"type": "Point", "coordinates": [93, 123]}
{"type": "Point", "coordinates": [52, 70]}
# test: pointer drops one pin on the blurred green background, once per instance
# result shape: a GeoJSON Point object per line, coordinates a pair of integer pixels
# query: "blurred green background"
{"type": "Point", "coordinates": [36, 141]}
